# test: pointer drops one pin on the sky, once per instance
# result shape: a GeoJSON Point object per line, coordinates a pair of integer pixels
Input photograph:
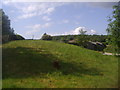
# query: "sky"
{"type": "Point", "coordinates": [58, 18]}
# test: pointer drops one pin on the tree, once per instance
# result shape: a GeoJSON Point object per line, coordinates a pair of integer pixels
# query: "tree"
{"type": "Point", "coordinates": [0, 25]}
{"type": "Point", "coordinates": [45, 34]}
{"type": "Point", "coordinates": [6, 29]}
{"type": "Point", "coordinates": [7, 32]}
{"type": "Point", "coordinates": [46, 37]}
{"type": "Point", "coordinates": [82, 32]}
{"type": "Point", "coordinates": [82, 40]}
{"type": "Point", "coordinates": [114, 28]}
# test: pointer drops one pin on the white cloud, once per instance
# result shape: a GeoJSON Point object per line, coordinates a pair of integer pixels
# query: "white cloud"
{"type": "Point", "coordinates": [32, 9]}
{"type": "Point", "coordinates": [5, 2]}
{"type": "Point", "coordinates": [29, 10]}
{"type": "Point", "coordinates": [33, 29]}
{"type": "Point", "coordinates": [35, 9]}
{"type": "Point", "coordinates": [46, 18]}
{"type": "Point", "coordinates": [27, 15]}
{"type": "Point", "coordinates": [49, 10]}
{"type": "Point", "coordinates": [92, 32]}
{"type": "Point", "coordinates": [36, 28]}
{"type": "Point", "coordinates": [76, 31]}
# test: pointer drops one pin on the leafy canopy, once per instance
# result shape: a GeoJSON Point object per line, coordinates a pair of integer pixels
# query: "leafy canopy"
{"type": "Point", "coordinates": [114, 28]}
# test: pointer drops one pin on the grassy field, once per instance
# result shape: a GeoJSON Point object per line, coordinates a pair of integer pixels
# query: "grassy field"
{"type": "Point", "coordinates": [29, 64]}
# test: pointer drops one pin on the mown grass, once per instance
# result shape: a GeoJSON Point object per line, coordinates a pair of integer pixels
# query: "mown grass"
{"type": "Point", "coordinates": [29, 64]}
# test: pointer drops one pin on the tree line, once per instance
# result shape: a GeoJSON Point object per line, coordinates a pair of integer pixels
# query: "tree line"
{"type": "Point", "coordinates": [7, 32]}
{"type": "Point", "coordinates": [113, 30]}
{"type": "Point", "coordinates": [113, 37]}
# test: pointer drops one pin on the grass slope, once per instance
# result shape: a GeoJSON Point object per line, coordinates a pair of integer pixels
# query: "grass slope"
{"type": "Point", "coordinates": [28, 64]}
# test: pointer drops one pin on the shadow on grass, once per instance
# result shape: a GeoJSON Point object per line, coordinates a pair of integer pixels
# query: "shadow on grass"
{"type": "Point", "coordinates": [23, 62]}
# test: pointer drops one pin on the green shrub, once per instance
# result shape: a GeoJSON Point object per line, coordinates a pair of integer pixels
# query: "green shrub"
{"type": "Point", "coordinates": [7, 38]}
{"type": "Point", "coordinates": [46, 37]}
{"type": "Point", "coordinates": [19, 37]}
{"type": "Point", "coordinates": [110, 49]}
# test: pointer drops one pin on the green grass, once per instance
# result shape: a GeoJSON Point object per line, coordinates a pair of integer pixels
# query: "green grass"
{"type": "Point", "coordinates": [29, 64]}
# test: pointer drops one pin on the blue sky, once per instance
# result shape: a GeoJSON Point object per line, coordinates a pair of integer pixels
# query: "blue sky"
{"type": "Point", "coordinates": [36, 18]}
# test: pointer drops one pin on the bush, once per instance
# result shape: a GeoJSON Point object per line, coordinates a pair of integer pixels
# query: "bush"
{"type": "Point", "coordinates": [7, 38]}
{"type": "Point", "coordinates": [109, 49]}
{"type": "Point", "coordinates": [19, 37]}
{"type": "Point", "coordinates": [46, 37]}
